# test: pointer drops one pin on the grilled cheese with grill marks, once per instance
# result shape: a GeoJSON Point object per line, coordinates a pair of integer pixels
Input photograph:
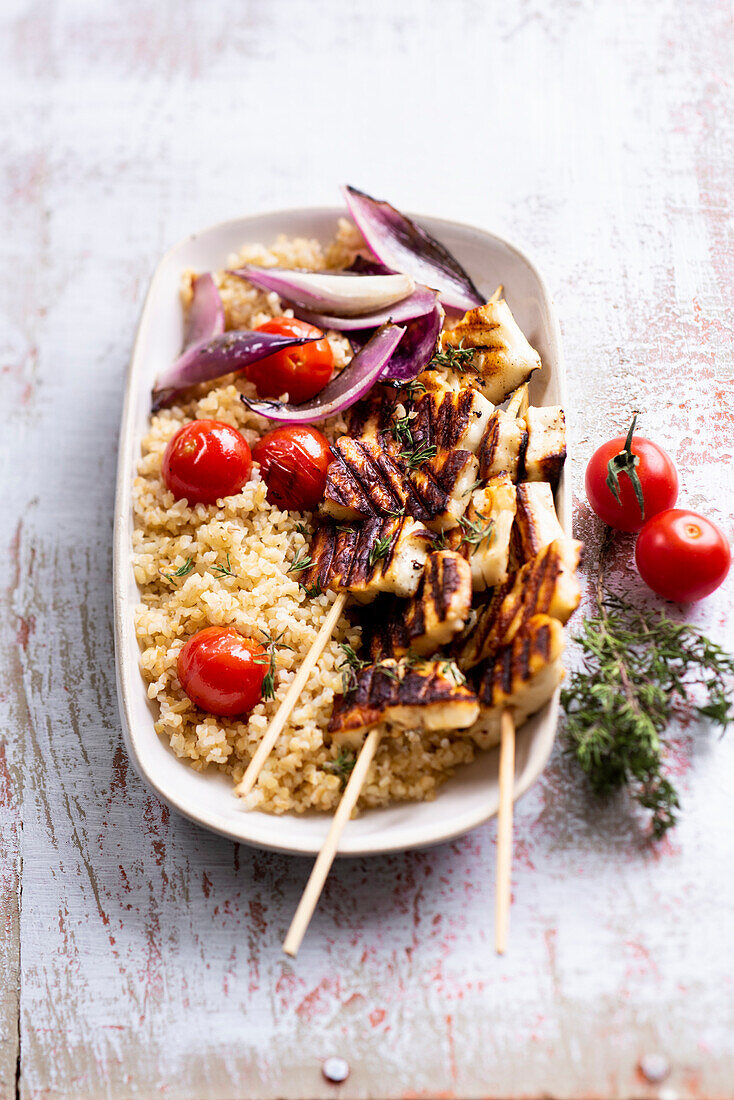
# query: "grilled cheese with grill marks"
{"type": "Point", "coordinates": [504, 359]}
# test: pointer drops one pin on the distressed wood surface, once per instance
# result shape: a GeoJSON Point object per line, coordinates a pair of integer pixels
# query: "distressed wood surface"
{"type": "Point", "coordinates": [143, 954]}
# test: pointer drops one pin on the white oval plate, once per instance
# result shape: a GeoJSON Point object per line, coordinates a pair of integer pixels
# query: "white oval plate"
{"type": "Point", "coordinates": [471, 796]}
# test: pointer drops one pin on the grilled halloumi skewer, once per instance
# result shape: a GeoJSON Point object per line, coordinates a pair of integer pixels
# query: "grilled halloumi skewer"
{"type": "Point", "coordinates": [431, 619]}
{"type": "Point", "coordinates": [546, 585]}
{"type": "Point", "coordinates": [521, 678]}
{"type": "Point", "coordinates": [483, 534]}
{"type": "Point", "coordinates": [403, 695]}
{"type": "Point", "coordinates": [365, 559]}
{"type": "Point", "coordinates": [504, 359]}
{"type": "Point", "coordinates": [536, 522]}
{"type": "Point", "coordinates": [368, 478]}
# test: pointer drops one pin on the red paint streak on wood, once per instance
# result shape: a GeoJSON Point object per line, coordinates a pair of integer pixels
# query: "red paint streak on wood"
{"type": "Point", "coordinates": [314, 1002]}
{"type": "Point", "coordinates": [377, 1017]}
{"type": "Point", "coordinates": [452, 1048]}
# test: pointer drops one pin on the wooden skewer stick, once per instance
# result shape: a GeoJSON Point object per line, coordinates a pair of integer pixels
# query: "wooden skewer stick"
{"type": "Point", "coordinates": [496, 296]}
{"type": "Point", "coordinates": [283, 713]}
{"type": "Point", "coordinates": [325, 858]}
{"type": "Point", "coordinates": [504, 832]}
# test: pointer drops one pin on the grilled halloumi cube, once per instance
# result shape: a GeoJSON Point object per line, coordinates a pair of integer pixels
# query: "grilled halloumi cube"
{"type": "Point", "coordinates": [449, 420]}
{"type": "Point", "coordinates": [371, 417]}
{"type": "Point", "coordinates": [536, 523]}
{"type": "Point", "coordinates": [435, 615]}
{"type": "Point", "coordinates": [402, 695]}
{"type": "Point", "coordinates": [504, 359]}
{"type": "Point", "coordinates": [369, 478]}
{"type": "Point", "coordinates": [502, 446]}
{"type": "Point", "coordinates": [546, 447]}
{"type": "Point", "coordinates": [546, 585]}
{"type": "Point", "coordinates": [521, 677]}
{"type": "Point", "coordinates": [483, 534]}
{"type": "Point", "coordinates": [365, 559]}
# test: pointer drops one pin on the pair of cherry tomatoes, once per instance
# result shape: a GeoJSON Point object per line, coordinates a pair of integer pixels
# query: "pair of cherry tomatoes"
{"type": "Point", "coordinates": [632, 485]}
{"type": "Point", "coordinates": [207, 460]}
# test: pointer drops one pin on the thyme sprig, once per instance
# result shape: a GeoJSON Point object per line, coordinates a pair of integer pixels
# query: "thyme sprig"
{"type": "Point", "coordinates": [224, 571]}
{"type": "Point", "coordinates": [349, 667]}
{"type": "Point", "coordinates": [641, 669]}
{"type": "Point", "coordinates": [300, 563]}
{"type": "Point", "coordinates": [475, 532]}
{"type": "Point", "coordinates": [343, 766]}
{"type": "Point", "coordinates": [380, 549]}
{"type": "Point", "coordinates": [268, 658]}
{"type": "Point", "coordinates": [420, 454]}
{"type": "Point", "coordinates": [182, 571]}
{"type": "Point", "coordinates": [457, 358]}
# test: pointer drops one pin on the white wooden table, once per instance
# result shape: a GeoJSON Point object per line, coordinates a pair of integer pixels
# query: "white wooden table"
{"type": "Point", "coordinates": [141, 956]}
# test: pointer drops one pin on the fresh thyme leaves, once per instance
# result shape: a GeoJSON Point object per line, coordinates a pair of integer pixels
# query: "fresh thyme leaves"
{"type": "Point", "coordinates": [391, 671]}
{"type": "Point", "coordinates": [268, 658]}
{"type": "Point", "coordinates": [474, 533]}
{"type": "Point", "coordinates": [380, 549]}
{"type": "Point", "coordinates": [640, 669]}
{"type": "Point", "coordinates": [343, 765]}
{"type": "Point", "coordinates": [455, 358]}
{"type": "Point", "coordinates": [451, 671]}
{"type": "Point", "coordinates": [349, 667]}
{"type": "Point", "coordinates": [415, 458]}
{"type": "Point", "coordinates": [626, 463]}
{"type": "Point", "coordinates": [302, 529]}
{"type": "Point", "coordinates": [224, 571]}
{"type": "Point", "coordinates": [402, 434]}
{"type": "Point", "coordinates": [182, 571]}
{"type": "Point", "coordinates": [415, 389]}
{"type": "Point", "coordinates": [313, 590]}
{"type": "Point", "coordinates": [300, 563]}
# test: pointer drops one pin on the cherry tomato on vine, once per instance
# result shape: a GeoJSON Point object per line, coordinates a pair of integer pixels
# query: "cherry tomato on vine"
{"type": "Point", "coordinates": [303, 370]}
{"type": "Point", "coordinates": [629, 480]}
{"type": "Point", "coordinates": [681, 555]}
{"type": "Point", "coordinates": [206, 460]}
{"type": "Point", "coordinates": [294, 462]}
{"type": "Point", "coordinates": [222, 671]}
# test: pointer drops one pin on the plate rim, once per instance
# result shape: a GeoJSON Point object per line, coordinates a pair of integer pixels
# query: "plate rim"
{"type": "Point", "coordinates": [213, 821]}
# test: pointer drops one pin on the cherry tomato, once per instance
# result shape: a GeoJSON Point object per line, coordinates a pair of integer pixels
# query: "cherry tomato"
{"type": "Point", "coordinates": [294, 462]}
{"type": "Point", "coordinates": [303, 371]}
{"type": "Point", "coordinates": [206, 460]}
{"type": "Point", "coordinates": [220, 670]}
{"type": "Point", "coordinates": [681, 555]}
{"type": "Point", "coordinates": [658, 481]}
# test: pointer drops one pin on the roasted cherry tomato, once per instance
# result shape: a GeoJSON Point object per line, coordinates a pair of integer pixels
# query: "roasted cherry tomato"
{"type": "Point", "coordinates": [681, 555]}
{"type": "Point", "coordinates": [294, 462]}
{"type": "Point", "coordinates": [303, 370]}
{"type": "Point", "coordinates": [222, 671]}
{"type": "Point", "coordinates": [629, 480]}
{"type": "Point", "coordinates": [206, 460]}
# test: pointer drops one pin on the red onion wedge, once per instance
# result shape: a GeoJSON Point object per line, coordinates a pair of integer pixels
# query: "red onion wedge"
{"type": "Point", "coordinates": [402, 245]}
{"type": "Point", "coordinates": [205, 318]}
{"type": "Point", "coordinates": [417, 304]}
{"type": "Point", "coordinates": [345, 294]}
{"type": "Point", "coordinates": [416, 349]}
{"type": "Point", "coordinates": [232, 351]}
{"type": "Point", "coordinates": [344, 389]}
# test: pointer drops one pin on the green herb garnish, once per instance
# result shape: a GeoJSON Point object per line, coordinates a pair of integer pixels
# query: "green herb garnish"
{"type": "Point", "coordinates": [183, 571]}
{"type": "Point", "coordinates": [380, 549]}
{"type": "Point", "coordinates": [476, 532]}
{"type": "Point", "coordinates": [343, 765]}
{"type": "Point", "coordinates": [422, 453]}
{"type": "Point", "coordinates": [268, 658]}
{"type": "Point", "coordinates": [349, 667]}
{"type": "Point", "coordinates": [639, 669]}
{"type": "Point", "coordinates": [457, 358]}
{"type": "Point", "coordinates": [224, 571]}
{"type": "Point", "coordinates": [300, 563]}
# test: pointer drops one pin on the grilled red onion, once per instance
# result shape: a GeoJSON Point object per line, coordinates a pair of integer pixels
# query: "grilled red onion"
{"type": "Point", "coordinates": [344, 294]}
{"type": "Point", "coordinates": [402, 245]}
{"type": "Point", "coordinates": [344, 389]}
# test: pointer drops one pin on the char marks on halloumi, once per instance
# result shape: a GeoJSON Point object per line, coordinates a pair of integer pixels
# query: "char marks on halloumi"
{"type": "Point", "coordinates": [546, 447]}
{"type": "Point", "coordinates": [536, 522]}
{"type": "Point", "coordinates": [430, 695]}
{"type": "Point", "coordinates": [367, 478]}
{"type": "Point", "coordinates": [504, 359]}
{"type": "Point", "coordinates": [435, 615]}
{"type": "Point", "coordinates": [483, 534]}
{"type": "Point", "coordinates": [365, 559]}
{"type": "Point", "coordinates": [546, 585]}
{"type": "Point", "coordinates": [521, 677]}
{"type": "Point", "coordinates": [502, 447]}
